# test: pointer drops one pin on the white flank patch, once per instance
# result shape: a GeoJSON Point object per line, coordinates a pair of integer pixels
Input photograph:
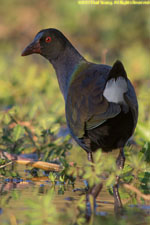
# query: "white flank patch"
{"type": "Point", "coordinates": [115, 89]}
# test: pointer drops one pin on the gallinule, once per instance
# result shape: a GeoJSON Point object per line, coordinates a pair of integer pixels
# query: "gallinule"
{"type": "Point", "coordinates": [100, 101]}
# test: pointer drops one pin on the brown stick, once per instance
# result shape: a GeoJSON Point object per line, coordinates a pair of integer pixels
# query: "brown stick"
{"type": "Point", "coordinates": [139, 193]}
{"type": "Point", "coordinates": [40, 165]}
{"type": "Point", "coordinates": [7, 164]}
{"type": "Point", "coordinates": [30, 162]}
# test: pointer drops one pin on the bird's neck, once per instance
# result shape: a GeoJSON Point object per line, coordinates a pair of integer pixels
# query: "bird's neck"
{"type": "Point", "coordinates": [65, 65]}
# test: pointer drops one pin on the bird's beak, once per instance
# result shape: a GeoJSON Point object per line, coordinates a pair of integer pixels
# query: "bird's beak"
{"type": "Point", "coordinates": [33, 47]}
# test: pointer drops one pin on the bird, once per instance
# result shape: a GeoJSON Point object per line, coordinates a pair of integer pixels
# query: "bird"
{"type": "Point", "coordinates": [101, 106]}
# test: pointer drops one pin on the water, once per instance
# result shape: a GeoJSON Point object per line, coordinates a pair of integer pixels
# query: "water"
{"type": "Point", "coordinates": [16, 192]}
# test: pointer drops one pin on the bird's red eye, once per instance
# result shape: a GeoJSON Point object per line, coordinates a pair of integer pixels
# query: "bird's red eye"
{"type": "Point", "coordinates": [48, 39]}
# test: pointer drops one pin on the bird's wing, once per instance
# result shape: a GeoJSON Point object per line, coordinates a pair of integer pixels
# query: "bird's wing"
{"type": "Point", "coordinates": [97, 116]}
{"type": "Point", "coordinates": [86, 106]}
{"type": "Point", "coordinates": [97, 94]}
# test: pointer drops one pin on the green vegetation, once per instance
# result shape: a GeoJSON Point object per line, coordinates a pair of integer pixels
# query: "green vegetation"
{"type": "Point", "coordinates": [32, 110]}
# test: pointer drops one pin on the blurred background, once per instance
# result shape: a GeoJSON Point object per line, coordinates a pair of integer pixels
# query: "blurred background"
{"type": "Point", "coordinates": [32, 112]}
{"type": "Point", "coordinates": [102, 34]}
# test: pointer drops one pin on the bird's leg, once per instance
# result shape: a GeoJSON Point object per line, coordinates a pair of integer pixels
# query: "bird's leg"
{"type": "Point", "coordinates": [90, 157]}
{"type": "Point", "coordinates": [92, 191]}
{"type": "Point", "coordinates": [91, 200]}
{"type": "Point", "coordinates": [117, 200]}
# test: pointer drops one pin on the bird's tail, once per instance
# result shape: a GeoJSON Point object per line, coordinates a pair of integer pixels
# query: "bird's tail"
{"type": "Point", "coordinates": [116, 84]}
{"type": "Point", "coordinates": [117, 71]}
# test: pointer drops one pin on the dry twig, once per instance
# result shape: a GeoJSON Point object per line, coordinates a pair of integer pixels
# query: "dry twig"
{"type": "Point", "coordinates": [7, 164]}
{"type": "Point", "coordinates": [40, 165]}
{"type": "Point", "coordinates": [138, 192]}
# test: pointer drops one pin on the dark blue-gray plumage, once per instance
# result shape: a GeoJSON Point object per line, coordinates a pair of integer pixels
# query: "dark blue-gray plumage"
{"type": "Point", "coordinates": [100, 101]}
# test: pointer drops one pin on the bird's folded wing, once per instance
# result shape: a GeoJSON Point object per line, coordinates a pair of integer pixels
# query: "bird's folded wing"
{"type": "Point", "coordinates": [86, 105]}
{"type": "Point", "coordinates": [88, 109]}
{"type": "Point", "coordinates": [112, 110]}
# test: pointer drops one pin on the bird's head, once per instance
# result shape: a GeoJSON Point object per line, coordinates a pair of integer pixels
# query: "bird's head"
{"type": "Point", "coordinates": [50, 43]}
